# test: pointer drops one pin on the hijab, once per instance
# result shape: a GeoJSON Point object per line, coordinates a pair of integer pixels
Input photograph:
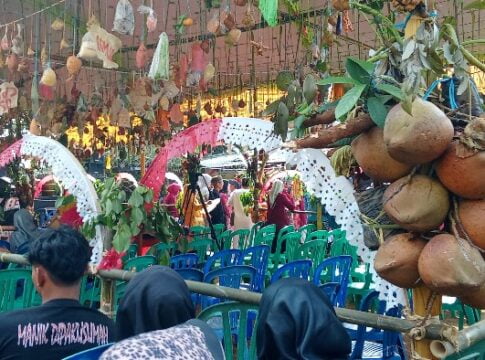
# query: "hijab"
{"type": "Point", "coordinates": [192, 340]}
{"type": "Point", "coordinates": [276, 189]}
{"type": "Point", "coordinates": [172, 192]}
{"type": "Point", "coordinates": [204, 183]}
{"type": "Point", "coordinates": [155, 299]}
{"type": "Point", "coordinates": [297, 321]}
{"type": "Point", "coordinates": [25, 232]}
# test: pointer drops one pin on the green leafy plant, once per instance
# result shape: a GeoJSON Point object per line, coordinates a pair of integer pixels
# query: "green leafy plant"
{"type": "Point", "coordinates": [370, 91]}
{"type": "Point", "coordinates": [126, 217]}
{"type": "Point", "coordinates": [162, 225]}
{"type": "Point", "coordinates": [247, 201]}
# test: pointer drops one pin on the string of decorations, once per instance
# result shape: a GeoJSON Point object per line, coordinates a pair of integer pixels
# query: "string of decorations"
{"type": "Point", "coordinates": [33, 14]}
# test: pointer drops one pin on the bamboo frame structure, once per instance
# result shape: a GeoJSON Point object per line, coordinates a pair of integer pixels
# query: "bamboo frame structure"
{"type": "Point", "coordinates": [446, 339]}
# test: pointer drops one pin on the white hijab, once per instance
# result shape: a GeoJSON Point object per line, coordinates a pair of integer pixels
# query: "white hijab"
{"type": "Point", "coordinates": [276, 189]}
{"type": "Point", "coordinates": [204, 183]}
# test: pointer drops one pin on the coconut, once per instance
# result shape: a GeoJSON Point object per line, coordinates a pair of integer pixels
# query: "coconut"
{"type": "Point", "coordinates": [417, 204]}
{"type": "Point", "coordinates": [463, 176]}
{"type": "Point", "coordinates": [419, 138]}
{"type": "Point", "coordinates": [371, 154]}
{"type": "Point", "coordinates": [471, 214]}
{"type": "Point", "coordinates": [475, 299]}
{"type": "Point", "coordinates": [451, 266]}
{"type": "Point", "coordinates": [397, 259]}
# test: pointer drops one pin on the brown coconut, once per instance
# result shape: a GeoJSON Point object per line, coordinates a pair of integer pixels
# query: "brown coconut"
{"type": "Point", "coordinates": [371, 154]}
{"type": "Point", "coordinates": [472, 216]}
{"type": "Point", "coordinates": [450, 266]}
{"type": "Point", "coordinates": [475, 299]}
{"type": "Point", "coordinates": [463, 176]}
{"type": "Point", "coordinates": [397, 259]}
{"type": "Point", "coordinates": [419, 138]}
{"type": "Point", "coordinates": [418, 204]}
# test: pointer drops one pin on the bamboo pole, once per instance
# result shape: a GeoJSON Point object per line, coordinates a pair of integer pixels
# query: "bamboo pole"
{"type": "Point", "coordinates": [319, 216]}
{"type": "Point", "coordinates": [107, 285]}
{"type": "Point", "coordinates": [431, 331]}
{"type": "Point", "coordinates": [426, 304]}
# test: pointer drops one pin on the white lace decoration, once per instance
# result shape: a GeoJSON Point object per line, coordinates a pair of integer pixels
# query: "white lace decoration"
{"type": "Point", "coordinates": [70, 173]}
{"type": "Point", "coordinates": [250, 132]}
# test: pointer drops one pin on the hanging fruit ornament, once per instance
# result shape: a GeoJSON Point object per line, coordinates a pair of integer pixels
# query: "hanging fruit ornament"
{"type": "Point", "coordinates": [208, 108]}
{"type": "Point", "coordinates": [141, 56]}
{"type": "Point", "coordinates": [341, 5]}
{"type": "Point", "coordinates": [64, 44]}
{"type": "Point", "coordinates": [57, 24]}
{"type": "Point", "coordinates": [12, 62]}
{"type": "Point", "coordinates": [176, 115]}
{"type": "Point", "coordinates": [188, 21]}
{"type": "Point", "coordinates": [213, 24]}
{"type": "Point", "coordinates": [164, 103]}
{"type": "Point", "coordinates": [30, 51]}
{"type": "Point", "coordinates": [242, 104]}
{"type": "Point", "coordinates": [49, 77]}
{"type": "Point", "coordinates": [23, 66]}
{"type": "Point", "coordinates": [232, 37]}
{"type": "Point", "coordinates": [248, 19]}
{"type": "Point", "coordinates": [209, 72]}
{"type": "Point", "coordinates": [73, 65]}
{"type": "Point", "coordinates": [405, 5]}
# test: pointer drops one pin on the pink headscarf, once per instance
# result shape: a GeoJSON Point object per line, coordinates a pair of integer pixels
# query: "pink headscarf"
{"type": "Point", "coordinates": [171, 198]}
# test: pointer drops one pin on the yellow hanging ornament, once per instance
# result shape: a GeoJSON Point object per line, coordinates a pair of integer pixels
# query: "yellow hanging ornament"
{"type": "Point", "coordinates": [412, 26]}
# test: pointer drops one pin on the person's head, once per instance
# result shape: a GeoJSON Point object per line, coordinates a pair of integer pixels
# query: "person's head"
{"type": "Point", "coordinates": [217, 183]}
{"type": "Point", "coordinates": [276, 189]}
{"type": "Point", "coordinates": [297, 321]}
{"type": "Point", "coordinates": [174, 189]}
{"type": "Point", "coordinates": [233, 185]}
{"type": "Point", "coordinates": [59, 259]}
{"type": "Point", "coordinates": [157, 298]}
{"type": "Point", "coordinates": [245, 183]}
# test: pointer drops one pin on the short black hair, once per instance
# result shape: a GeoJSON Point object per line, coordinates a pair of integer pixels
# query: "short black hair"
{"type": "Point", "coordinates": [63, 252]}
{"type": "Point", "coordinates": [245, 182]}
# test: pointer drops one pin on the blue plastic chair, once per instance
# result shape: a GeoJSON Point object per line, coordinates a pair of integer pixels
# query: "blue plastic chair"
{"type": "Point", "coordinates": [331, 289]}
{"type": "Point", "coordinates": [236, 277]}
{"type": "Point", "coordinates": [222, 259]}
{"type": "Point", "coordinates": [295, 269]}
{"type": "Point", "coordinates": [184, 261]}
{"type": "Point", "coordinates": [90, 354]}
{"type": "Point", "coordinates": [194, 275]}
{"type": "Point", "coordinates": [336, 269]}
{"type": "Point", "coordinates": [257, 257]}
{"type": "Point", "coordinates": [371, 343]}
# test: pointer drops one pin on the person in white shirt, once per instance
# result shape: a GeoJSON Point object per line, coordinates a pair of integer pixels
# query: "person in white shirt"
{"type": "Point", "coordinates": [241, 220]}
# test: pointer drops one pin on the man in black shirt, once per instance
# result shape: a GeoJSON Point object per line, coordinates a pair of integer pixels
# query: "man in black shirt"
{"type": "Point", "coordinates": [61, 326]}
{"type": "Point", "coordinates": [218, 215]}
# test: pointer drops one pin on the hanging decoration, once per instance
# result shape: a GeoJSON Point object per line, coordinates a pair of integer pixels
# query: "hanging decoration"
{"type": "Point", "coordinates": [49, 77]}
{"type": "Point", "coordinates": [73, 65]}
{"type": "Point", "coordinates": [159, 69]}
{"type": "Point", "coordinates": [5, 42]}
{"type": "Point", "coordinates": [151, 17]}
{"type": "Point", "coordinates": [18, 41]}
{"type": "Point", "coordinates": [269, 10]}
{"type": "Point", "coordinates": [141, 56]}
{"type": "Point", "coordinates": [124, 22]}
{"type": "Point", "coordinates": [8, 97]}
{"type": "Point", "coordinates": [97, 43]}
{"type": "Point", "coordinates": [57, 24]}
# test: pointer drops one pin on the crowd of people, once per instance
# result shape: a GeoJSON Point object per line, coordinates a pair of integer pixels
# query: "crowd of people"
{"type": "Point", "coordinates": [156, 316]}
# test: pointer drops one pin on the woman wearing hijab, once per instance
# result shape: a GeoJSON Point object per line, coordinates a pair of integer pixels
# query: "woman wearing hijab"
{"type": "Point", "coordinates": [25, 232]}
{"type": "Point", "coordinates": [279, 202]}
{"type": "Point", "coordinates": [297, 321]}
{"type": "Point", "coordinates": [155, 320]}
{"type": "Point", "coordinates": [171, 199]}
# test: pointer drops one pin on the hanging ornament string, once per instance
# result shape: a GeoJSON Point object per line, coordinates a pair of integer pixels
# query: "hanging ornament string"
{"type": "Point", "coordinates": [31, 15]}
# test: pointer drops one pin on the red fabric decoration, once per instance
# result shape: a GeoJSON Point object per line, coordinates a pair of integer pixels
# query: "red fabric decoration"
{"type": "Point", "coordinates": [111, 260]}
{"type": "Point", "coordinates": [184, 142]}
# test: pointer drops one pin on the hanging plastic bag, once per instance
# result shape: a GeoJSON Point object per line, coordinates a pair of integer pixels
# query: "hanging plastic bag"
{"type": "Point", "coordinates": [151, 18]}
{"type": "Point", "coordinates": [269, 10]}
{"type": "Point", "coordinates": [124, 22]}
{"type": "Point", "coordinates": [5, 43]}
{"type": "Point", "coordinates": [97, 43]}
{"type": "Point", "coordinates": [18, 41]}
{"type": "Point", "coordinates": [159, 69]}
{"type": "Point", "coordinates": [199, 61]}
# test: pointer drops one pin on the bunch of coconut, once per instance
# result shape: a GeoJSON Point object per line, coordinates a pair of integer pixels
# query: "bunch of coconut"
{"type": "Point", "coordinates": [421, 201]}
